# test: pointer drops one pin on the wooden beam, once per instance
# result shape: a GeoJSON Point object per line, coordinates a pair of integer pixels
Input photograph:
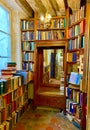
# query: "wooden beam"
{"type": "Point", "coordinates": [48, 7]}
{"type": "Point", "coordinates": [26, 7]}
{"type": "Point", "coordinates": [42, 9]}
{"type": "Point", "coordinates": [37, 6]}
{"type": "Point", "coordinates": [54, 6]}
{"type": "Point", "coordinates": [83, 2]}
{"type": "Point", "coordinates": [65, 4]}
{"type": "Point", "coordinates": [88, 1]}
{"type": "Point", "coordinates": [61, 7]}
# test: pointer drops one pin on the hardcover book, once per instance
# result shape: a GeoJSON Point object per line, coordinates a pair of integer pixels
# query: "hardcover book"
{"type": "Point", "coordinates": [75, 78]}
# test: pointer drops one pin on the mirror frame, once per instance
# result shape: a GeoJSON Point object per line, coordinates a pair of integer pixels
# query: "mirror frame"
{"type": "Point", "coordinates": [39, 61]}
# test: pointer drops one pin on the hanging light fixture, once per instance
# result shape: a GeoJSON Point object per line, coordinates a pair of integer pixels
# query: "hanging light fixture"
{"type": "Point", "coordinates": [46, 20]}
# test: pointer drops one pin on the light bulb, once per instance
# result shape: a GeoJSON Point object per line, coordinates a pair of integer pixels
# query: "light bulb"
{"type": "Point", "coordinates": [42, 18]}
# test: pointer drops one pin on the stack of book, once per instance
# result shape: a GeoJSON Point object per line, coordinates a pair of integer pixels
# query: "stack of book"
{"type": "Point", "coordinates": [10, 70]}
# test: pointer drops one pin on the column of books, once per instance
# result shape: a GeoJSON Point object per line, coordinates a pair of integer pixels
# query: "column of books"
{"type": "Point", "coordinates": [27, 43]}
{"type": "Point", "coordinates": [75, 61]}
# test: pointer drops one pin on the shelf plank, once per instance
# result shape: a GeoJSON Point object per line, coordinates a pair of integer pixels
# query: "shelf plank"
{"type": "Point", "coordinates": [77, 22]}
{"type": "Point", "coordinates": [73, 86]}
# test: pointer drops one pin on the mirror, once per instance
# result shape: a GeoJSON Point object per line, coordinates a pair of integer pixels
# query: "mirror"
{"type": "Point", "coordinates": [53, 66]}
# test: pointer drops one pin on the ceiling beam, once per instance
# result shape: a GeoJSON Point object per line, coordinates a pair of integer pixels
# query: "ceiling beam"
{"type": "Point", "coordinates": [48, 7]}
{"type": "Point", "coordinates": [37, 6]}
{"type": "Point", "coordinates": [54, 6]}
{"type": "Point", "coordinates": [83, 2]}
{"type": "Point", "coordinates": [61, 7]}
{"type": "Point", "coordinates": [26, 7]}
{"type": "Point", "coordinates": [42, 9]}
{"type": "Point", "coordinates": [65, 4]}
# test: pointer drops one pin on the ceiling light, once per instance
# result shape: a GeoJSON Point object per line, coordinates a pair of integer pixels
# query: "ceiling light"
{"type": "Point", "coordinates": [46, 20]}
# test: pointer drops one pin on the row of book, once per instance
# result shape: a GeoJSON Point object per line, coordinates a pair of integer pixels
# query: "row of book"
{"type": "Point", "coordinates": [75, 62]}
{"type": "Point", "coordinates": [28, 56]}
{"type": "Point", "coordinates": [77, 29]}
{"type": "Point", "coordinates": [28, 36]}
{"type": "Point", "coordinates": [7, 85]}
{"type": "Point", "coordinates": [28, 66]}
{"type": "Point", "coordinates": [74, 95]}
{"type": "Point", "coordinates": [7, 98]}
{"type": "Point", "coordinates": [62, 82]}
{"type": "Point", "coordinates": [27, 46]}
{"type": "Point", "coordinates": [76, 43]}
{"type": "Point", "coordinates": [75, 68]}
{"type": "Point", "coordinates": [80, 14]}
{"type": "Point", "coordinates": [80, 63]}
{"type": "Point", "coordinates": [13, 119]}
{"type": "Point", "coordinates": [50, 35]}
{"type": "Point", "coordinates": [26, 74]}
{"type": "Point", "coordinates": [7, 109]}
{"type": "Point", "coordinates": [10, 81]}
{"type": "Point", "coordinates": [26, 25]}
{"type": "Point", "coordinates": [72, 57]}
{"type": "Point", "coordinates": [72, 68]}
{"type": "Point", "coordinates": [55, 23]}
{"type": "Point", "coordinates": [74, 108]}
{"type": "Point", "coordinates": [58, 23]}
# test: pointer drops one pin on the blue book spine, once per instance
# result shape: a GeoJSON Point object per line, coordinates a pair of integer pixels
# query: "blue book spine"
{"type": "Point", "coordinates": [74, 59]}
{"type": "Point", "coordinates": [78, 78]}
{"type": "Point", "coordinates": [76, 124]}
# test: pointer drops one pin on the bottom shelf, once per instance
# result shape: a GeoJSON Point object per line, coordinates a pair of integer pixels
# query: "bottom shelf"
{"type": "Point", "coordinates": [14, 118]}
{"type": "Point", "coordinates": [76, 122]}
{"type": "Point", "coordinates": [73, 119]}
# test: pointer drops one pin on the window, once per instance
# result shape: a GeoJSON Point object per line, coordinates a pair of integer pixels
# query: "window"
{"type": "Point", "coordinates": [5, 42]}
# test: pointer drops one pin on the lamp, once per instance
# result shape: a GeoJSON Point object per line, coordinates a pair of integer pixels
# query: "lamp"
{"type": "Point", "coordinates": [46, 20]}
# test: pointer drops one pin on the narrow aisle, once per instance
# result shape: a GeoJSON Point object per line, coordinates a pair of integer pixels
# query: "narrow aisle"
{"type": "Point", "coordinates": [43, 119]}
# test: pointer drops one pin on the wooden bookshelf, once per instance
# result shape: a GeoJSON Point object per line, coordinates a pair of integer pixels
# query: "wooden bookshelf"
{"type": "Point", "coordinates": [27, 43]}
{"type": "Point", "coordinates": [56, 30]}
{"type": "Point", "coordinates": [75, 63]}
{"type": "Point", "coordinates": [13, 101]}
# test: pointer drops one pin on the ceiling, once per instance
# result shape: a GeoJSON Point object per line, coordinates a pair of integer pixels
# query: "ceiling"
{"type": "Point", "coordinates": [54, 7]}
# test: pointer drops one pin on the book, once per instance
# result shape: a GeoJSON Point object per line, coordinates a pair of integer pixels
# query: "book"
{"type": "Point", "coordinates": [76, 124]}
{"type": "Point", "coordinates": [75, 78]}
{"type": "Point", "coordinates": [73, 106]}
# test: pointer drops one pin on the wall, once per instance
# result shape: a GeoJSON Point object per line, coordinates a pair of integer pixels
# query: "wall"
{"type": "Point", "coordinates": [16, 13]}
{"type": "Point", "coordinates": [16, 37]}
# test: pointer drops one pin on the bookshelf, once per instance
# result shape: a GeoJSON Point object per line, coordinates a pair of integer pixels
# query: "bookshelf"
{"type": "Point", "coordinates": [56, 31]}
{"type": "Point", "coordinates": [27, 43]}
{"type": "Point", "coordinates": [13, 95]}
{"type": "Point", "coordinates": [75, 102]}
{"type": "Point", "coordinates": [13, 101]}
{"type": "Point", "coordinates": [34, 33]}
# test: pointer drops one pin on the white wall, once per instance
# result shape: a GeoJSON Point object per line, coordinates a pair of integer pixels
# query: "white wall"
{"type": "Point", "coordinates": [16, 14]}
{"type": "Point", "coordinates": [16, 37]}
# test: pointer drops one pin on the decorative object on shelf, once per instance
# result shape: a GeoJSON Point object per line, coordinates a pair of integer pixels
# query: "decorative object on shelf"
{"type": "Point", "coordinates": [46, 21]}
